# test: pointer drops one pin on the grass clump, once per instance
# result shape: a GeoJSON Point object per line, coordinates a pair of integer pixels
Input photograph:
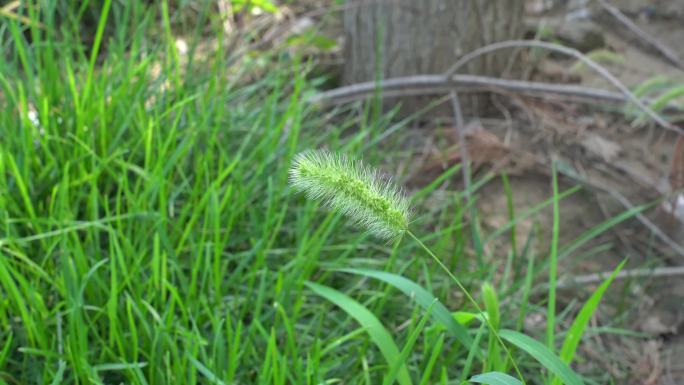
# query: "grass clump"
{"type": "Point", "coordinates": [354, 190]}
{"type": "Point", "coordinates": [347, 186]}
{"type": "Point", "coordinates": [149, 234]}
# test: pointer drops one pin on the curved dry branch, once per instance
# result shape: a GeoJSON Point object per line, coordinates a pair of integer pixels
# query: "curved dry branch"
{"type": "Point", "coordinates": [435, 84]}
{"type": "Point", "coordinates": [570, 52]}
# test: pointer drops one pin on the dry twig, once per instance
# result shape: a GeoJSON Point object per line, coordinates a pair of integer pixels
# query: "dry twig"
{"type": "Point", "coordinates": [666, 52]}
{"type": "Point", "coordinates": [588, 279]}
{"type": "Point", "coordinates": [435, 84]}
{"type": "Point", "coordinates": [439, 84]}
{"type": "Point", "coordinates": [570, 52]}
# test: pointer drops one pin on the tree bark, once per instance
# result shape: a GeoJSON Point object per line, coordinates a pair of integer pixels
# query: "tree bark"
{"type": "Point", "coordinates": [393, 38]}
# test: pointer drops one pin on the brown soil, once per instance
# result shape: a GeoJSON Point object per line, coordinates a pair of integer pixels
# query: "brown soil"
{"type": "Point", "coordinates": [619, 163]}
{"type": "Point", "coordinates": [600, 148]}
{"type": "Point", "coordinates": [608, 155]}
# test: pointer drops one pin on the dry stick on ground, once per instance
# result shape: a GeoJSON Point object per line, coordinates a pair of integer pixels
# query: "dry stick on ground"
{"type": "Point", "coordinates": [438, 84]}
{"type": "Point", "coordinates": [629, 206]}
{"type": "Point", "coordinates": [626, 241]}
{"type": "Point", "coordinates": [589, 279]}
{"type": "Point", "coordinates": [607, 75]}
{"type": "Point", "coordinates": [571, 52]}
{"type": "Point", "coordinates": [647, 222]}
{"type": "Point", "coordinates": [448, 80]}
{"type": "Point", "coordinates": [666, 52]}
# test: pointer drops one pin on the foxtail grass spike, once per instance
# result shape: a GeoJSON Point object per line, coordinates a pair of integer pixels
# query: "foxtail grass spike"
{"type": "Point", "coordinates": [359, 193]}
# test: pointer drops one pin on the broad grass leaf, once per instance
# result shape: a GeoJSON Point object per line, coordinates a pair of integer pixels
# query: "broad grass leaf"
{"type": "Point", "coordinates": [580, 323]}
{"type": "Point", "coordinates": [495, 378]}
{"type": "Point", "coordinates": [423, 298]}
{"type": "Point", "coordinates": [543, 355]}
{"type": "Point", "coordinates": [376, 331]}
{"type": "Point", "coordinates": [407, 349]}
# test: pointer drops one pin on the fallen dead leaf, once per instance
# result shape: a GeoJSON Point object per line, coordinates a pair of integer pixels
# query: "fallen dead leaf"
{"type": "Point", "coordinates": [484, 147]}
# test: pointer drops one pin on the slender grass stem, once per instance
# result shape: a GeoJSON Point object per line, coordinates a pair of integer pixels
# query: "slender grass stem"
{"type": "Point", "coordinates": [471, 299]}
{"type": "Point", "coordinates": [553, 262]}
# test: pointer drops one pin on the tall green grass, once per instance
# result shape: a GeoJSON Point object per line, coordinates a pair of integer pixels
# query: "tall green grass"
{"type": "Point", "coordinates": [149, 236]}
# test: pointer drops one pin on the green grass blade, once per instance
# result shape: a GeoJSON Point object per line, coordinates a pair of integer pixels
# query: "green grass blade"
{"type": "Point", "coordinates": [601, 227]}
{"type": "Point", "coordinates": [6, 349]}
{"type": "Point", "coordinates": [656, 83]}
{"type": "Point", "coordinates": [527, 282]}
{"type": "Point", "coordinates": [661, 102]}
{"type": "Point", "coordinates": [529, 213]}
{"type": "Point", "coordinates": [423, 298]}
{"type": "Point", "coordinates": [59, 376]}
{"type": "Point", "coordinates": [553, 264]}
{"type": "Point", "coordinates": [491, 301]}
{"type": "Point", "coordinates": [510, 205]}
{"type": "Point", "coordinates": [118, 366]}
{"type": "Point", "coordinates": [408, 348]}
{"type": "Point", "coordinates": [543, 355]}
{"type": "Point", "coordinates": [495, 378]}
{"type": "Point", "coordinates": [466, 317]}
{"type": "Point", "coordinates": [580, 323]}
{"type": "Point", "coordinates": [95, 50]}
{"type": "Point", "coordinates": [376, 331]}
{"type": "Point", "coordinates": [436, 352]}
{"type": "Point", "coordinates": [467, 367]}
{"type": "Point", "coordinates": [213, 379]}
{"type": "Point", "coordinates": [422, 193]}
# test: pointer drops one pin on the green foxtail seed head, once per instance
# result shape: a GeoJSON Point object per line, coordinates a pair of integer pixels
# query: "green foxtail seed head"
{"type": "Point", "coordinates": [358, 192]}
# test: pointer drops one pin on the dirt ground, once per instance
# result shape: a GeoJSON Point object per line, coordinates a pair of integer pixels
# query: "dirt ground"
{"type": "Point", "coordinates": [620, 157]}
{"type": "Point", "coordinates": [620, 164]}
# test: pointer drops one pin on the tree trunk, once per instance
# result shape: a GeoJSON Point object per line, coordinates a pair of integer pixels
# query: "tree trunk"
{"type": "Point", "coordinates": [393, 38]}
